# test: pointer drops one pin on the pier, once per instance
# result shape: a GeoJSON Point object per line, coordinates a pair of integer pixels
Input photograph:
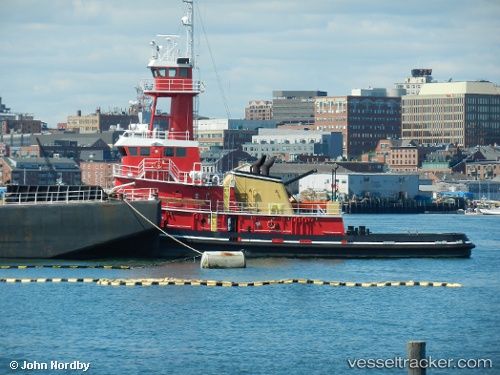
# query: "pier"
{"type": "Point", "coordinates": [406, 206]}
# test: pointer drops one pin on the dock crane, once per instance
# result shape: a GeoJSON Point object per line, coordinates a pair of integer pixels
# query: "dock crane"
{"type": "Point", "coordinates": [50, 166]}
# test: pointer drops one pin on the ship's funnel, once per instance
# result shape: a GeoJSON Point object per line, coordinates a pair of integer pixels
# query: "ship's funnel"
{"type": "Point", "coordinates": [257, 164]}
{"type": "Point", "coordinates": [267, 166]}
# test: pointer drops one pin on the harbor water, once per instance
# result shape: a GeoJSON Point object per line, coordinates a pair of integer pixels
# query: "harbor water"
{"type": "Point", "coordinates": [69, 328]}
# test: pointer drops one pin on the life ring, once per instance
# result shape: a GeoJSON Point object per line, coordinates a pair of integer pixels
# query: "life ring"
{"type": "Point", "coordinates": [271, 224]}
{"type": "Point", "coordinates": [158, 164]}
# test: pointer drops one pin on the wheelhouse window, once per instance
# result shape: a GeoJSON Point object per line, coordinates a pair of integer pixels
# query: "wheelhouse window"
{"type": "Point", "coordinates": [145, 151]}
{"type": "Point", "coordinates": [132, 151]}
{"type": "Point", "coordinates": [183, 72]}
{"type": "Point", "coordinates": [180, 152]}
{"type": "Point", "coordinates": [122, 151]}
{"type": "Point", "coordinates": [168, 151]}
{"type": "Point", "coordinates": [159, 72]}
{"type": "Point", "coordinates": [172, 72]}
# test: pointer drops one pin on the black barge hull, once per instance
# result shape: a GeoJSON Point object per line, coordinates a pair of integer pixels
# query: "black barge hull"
{"type": "Point", "coordinates": [79, 230]}
{"type": "Point", "coordinates": [425, 245]}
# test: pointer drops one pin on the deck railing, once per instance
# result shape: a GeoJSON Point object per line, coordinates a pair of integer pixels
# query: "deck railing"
{"type": "Point", "coordinates": [52, 194]}
{"type": "Point", "coordinates": [171, 85]}
{"type": "Point", "coordinates": [155, 169]}
{"type": "Point", "coordinates": [131, 194]}
{"type": "Point", "coordinates": [156, 134]}
{"type": "Point", "coordinates": [57, 194]}
{"type": "Point", "coordinates": [273, 208]}
{"type": "Point", "coordinates": [246, 208]}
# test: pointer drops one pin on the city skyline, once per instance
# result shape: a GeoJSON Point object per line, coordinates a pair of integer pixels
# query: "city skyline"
{"type": "Point", "coordinates": [63, 56]}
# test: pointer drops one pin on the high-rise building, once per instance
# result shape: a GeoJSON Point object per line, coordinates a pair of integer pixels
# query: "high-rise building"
{"type": "Point", "coordinates": [294, 107]}
{"type": "Point", "coordinates": [362, 120]}
{"type": "Point", "coordinates": [462, 113]}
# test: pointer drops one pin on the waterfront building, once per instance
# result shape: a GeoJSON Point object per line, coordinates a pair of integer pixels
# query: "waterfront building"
{"type": "Point", "coordinates": [489, 189]}
{"type": "Point", "coordinates": [483, 169]}
{"type": "Point", "coordinates": [363, 185]}
{"type": "Point", "coordinates": [482, 163]}
{"type": "Point", "coordinates": [463, 113]}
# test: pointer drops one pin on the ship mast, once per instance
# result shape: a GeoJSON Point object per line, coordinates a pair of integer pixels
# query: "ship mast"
{"type": "Point", "coordinates": [187, 21]}
{"type": "Point", "coordinates": [172, 72]}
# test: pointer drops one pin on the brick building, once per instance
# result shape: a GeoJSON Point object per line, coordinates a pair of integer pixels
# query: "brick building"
{"type": "Point", "coordinates": [97, 173]}
{"type": "Point", "coordinates": [21, 126]}
{"type": "Point", "coordinates": [259, 110]}
{"type": "Point", "coordinates": [398, 154]}
{"type": "Point", "coordinates": [363, 120]}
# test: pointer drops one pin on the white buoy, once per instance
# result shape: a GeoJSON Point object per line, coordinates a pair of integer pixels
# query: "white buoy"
{"type": "Point", "coordinates": [223, 259]}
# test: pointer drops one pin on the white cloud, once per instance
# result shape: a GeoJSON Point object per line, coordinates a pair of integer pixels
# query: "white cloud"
{"type": "Point", "coordinates": [62, 55]}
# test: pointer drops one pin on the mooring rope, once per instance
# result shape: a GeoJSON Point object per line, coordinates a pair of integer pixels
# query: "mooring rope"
{"type": "Point", "coordinates": [161, 230]}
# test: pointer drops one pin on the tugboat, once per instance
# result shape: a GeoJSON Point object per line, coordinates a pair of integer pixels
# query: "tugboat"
{"type": "Point", "coordinates": [247, 208]}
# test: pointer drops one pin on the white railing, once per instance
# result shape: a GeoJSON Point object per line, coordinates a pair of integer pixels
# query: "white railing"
{"type": "Point", "coordinates": [156, 134]}
{"type": "Point", "coordinates": [245, 208]}
{"type": "Point", "coordinates": [273, 208]}
{"type": "Point", "coordinates": [171, 85]}
{"type": "Point", "coordinates": [76, 195]}
{"type": "Point", "coordinates": [163, 170]}
{"type": "Point", "coordinates": [35, 197]}
{"type": "Point", "coordinates": [131, 194]}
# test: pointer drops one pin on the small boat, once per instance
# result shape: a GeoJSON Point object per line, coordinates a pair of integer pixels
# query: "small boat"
{"type": "Point", "coordinates": [246, 208]}
{"type": "Point", "coordinates": [490, 211]}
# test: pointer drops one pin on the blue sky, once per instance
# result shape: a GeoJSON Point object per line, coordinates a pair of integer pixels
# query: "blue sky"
{"type": "Point", "coordinates": [60, 56]}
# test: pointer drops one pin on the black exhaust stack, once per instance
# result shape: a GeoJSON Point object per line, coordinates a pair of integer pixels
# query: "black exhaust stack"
{"type": "Point", "coordinates": [257, 164]}
{"type": "Point", "coordinates": [267, 166]}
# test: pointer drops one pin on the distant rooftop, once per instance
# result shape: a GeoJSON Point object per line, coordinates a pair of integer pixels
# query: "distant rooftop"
{"type": "Point", "coordinates": [464, 87]}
